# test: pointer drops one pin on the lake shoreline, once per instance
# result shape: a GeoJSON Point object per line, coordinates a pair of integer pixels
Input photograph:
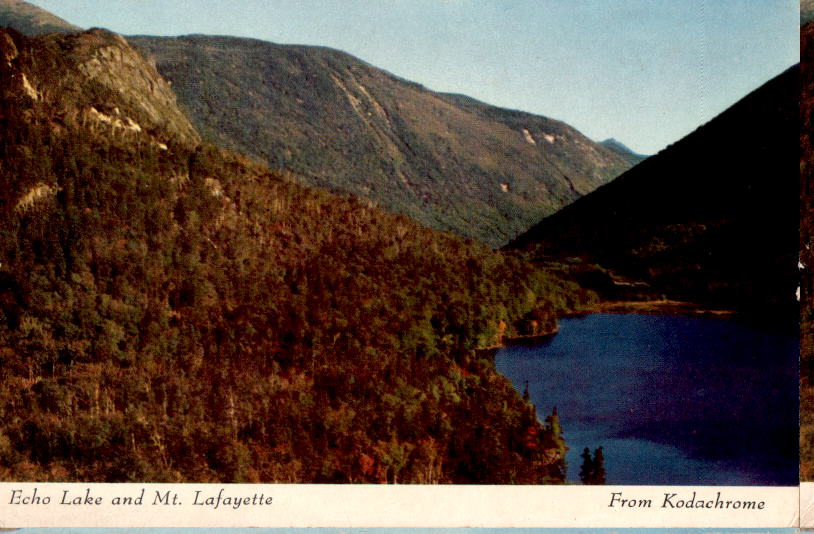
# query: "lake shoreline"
{"type": "Point", "coordinates": [645, 307]}
{"type": "Point", "coordinates": [654, 389]}
{"type": "Point", "coordinates": [654, 307]}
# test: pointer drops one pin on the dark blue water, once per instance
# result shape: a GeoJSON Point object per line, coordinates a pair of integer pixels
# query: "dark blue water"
{"type": "Point", "coordinates": [671, 399]}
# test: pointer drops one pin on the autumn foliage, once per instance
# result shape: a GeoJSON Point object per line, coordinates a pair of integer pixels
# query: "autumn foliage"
{"type": "Point", "coordinates": [172, 312]}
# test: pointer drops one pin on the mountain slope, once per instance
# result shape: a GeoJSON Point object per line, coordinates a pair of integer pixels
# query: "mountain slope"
{"type": "Point", "coordinates": [172, 312]}
{"type": "Point", "coordinates": [623, 151]}
{"type": "Point", "coordinates": [712, 218]}
{"type": "Point", "coordinates": [31, 20]}
{"type": "Point", "coordinates": [447, 161]}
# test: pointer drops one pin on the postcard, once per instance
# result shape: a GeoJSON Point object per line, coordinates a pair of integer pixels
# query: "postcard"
{"type": "Point", "coordinates": [438, 263]}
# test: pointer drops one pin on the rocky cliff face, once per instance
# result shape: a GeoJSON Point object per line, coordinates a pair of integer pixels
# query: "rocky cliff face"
{"type": "Point", "coordinates": [95, 78]}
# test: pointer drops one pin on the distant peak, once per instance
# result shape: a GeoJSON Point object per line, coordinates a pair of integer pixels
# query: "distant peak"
{"type": "Point", "coordinates": [623, 150]}
{"type": "Point", "coordinates": [612, 141]}
{"type": "Point", "coordinates": [30, 20]}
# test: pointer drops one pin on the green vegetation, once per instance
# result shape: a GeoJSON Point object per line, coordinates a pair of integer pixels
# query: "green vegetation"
{"type": "Point", "coordinates": [451, 163]}
{"type": "Point", "coordinates": [176, 313]}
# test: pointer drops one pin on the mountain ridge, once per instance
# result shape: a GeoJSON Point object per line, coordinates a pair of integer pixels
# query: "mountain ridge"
{"type": "Point", "coordinates": [623, 150]}
{"type": "Point", "coordinates": [712, 218]}
{"type": "Point", "coordinates": [345, 125]}
{"type": "Point", "coordinates": [337, 122]}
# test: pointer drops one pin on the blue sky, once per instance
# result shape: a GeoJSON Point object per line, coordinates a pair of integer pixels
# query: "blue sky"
{"type": "Point", "coordinates": [646, 72]}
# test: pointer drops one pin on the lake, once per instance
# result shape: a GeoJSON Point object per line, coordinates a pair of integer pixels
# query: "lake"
{"type": "Point", "coordinates": [671, 399]}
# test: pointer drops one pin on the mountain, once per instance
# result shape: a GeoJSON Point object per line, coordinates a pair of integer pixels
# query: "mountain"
{"type": "Point", "coordinates": [335, 122]}
{"type": "Point", "coordinates": [31, 20]}
{"type": "Point", "coordinates": [711, 219]}
{"type": "Point", "coordinates": [96, 77]}
{"type": "Point", "coordinates": [170, 311]}
{"type": "Point", "coordinates": [623, 151]}
{"type": "Point", "coordinates": [447, 161]}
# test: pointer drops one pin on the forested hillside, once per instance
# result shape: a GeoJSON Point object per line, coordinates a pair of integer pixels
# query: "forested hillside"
{"type": "Point", "coordinates": [172, 312]}
{"type": "Point", "coordinates": [711, 219]}
{"type": "Point", "coordinates": [447, 161]}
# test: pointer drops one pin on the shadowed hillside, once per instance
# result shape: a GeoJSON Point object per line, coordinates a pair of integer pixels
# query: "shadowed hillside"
{"type": "Point", "coordinates": [807, 253]}
{"type": "Point", "coordinates": [807, 192]}
{"type": "Point", "coordinates": [447, 161]}
{"type": "Point", "coordinates": [712, 219]}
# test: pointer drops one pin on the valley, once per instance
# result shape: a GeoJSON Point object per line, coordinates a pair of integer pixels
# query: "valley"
{"type": "Point", "coordinates": [229, 260]}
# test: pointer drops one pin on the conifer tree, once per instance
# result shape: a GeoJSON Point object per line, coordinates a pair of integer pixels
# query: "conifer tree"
{"type": "Point", "coordinates": [553, 424]}
{"type": "Point", "coordinates": [599, 466]}
{"type": "Point", "coordinates": [592, 471]}
{"type": "Point", "coordinates": [587, 469]}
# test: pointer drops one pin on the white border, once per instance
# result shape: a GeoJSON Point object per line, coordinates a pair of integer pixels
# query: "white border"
{"type": "Point", "coordinates": [807, 504]}
{"type": "Point", "coordinates": [346, 506]}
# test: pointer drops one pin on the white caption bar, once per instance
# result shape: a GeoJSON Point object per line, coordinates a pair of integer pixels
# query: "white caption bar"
{"type": "Point", "coordinates": [345, 506]}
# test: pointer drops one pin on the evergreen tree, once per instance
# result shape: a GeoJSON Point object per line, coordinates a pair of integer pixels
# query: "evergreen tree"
{"type": "Point", "coordinates": [553, 424]}
{"type": "Point", "coordinates": [593, 468]}
{"type": "Point", "coordinates": [599, 466]}
{"type": "Point", "coordinates": [587, 469]}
